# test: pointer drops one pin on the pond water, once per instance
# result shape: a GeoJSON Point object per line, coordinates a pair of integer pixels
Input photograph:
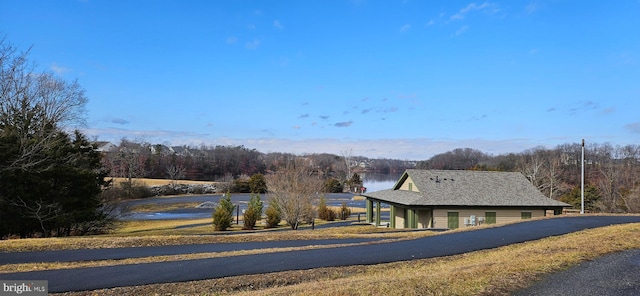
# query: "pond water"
{"type": "Point", "coordinates": [378, 181]}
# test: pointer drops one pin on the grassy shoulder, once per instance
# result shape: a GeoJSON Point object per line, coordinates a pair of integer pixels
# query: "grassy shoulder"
{"type": "Point", "coordinates": [499, 271]}
{"type": "Point", "coordinates": [146, 233]}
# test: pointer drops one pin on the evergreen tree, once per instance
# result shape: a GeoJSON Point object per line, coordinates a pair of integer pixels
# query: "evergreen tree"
{"type": "Point", "coordinates": [253, 213]}
{"type": "Point", "coordinates": [223, 213]}
{"type": "Point", "coordinates": [273, 215]}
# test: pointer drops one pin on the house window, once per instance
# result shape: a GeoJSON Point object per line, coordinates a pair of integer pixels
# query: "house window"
{"type": "Point", "coordinates": [410, 186]}
{"type": "Point", "coordinates": [490, 217]}
{"type": "Point", "coordinates": [525, 215]}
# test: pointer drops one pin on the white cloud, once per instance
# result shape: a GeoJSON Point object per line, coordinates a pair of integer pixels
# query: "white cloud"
{"type": "Point", "coordinates": [232, 40]}
{"type": "Point", "coordinates": [278, 25]}
{"type": "Point", "coordinates": [461, 31]}
{"type": "Point", "coordinates": [395, 148]}
{"type": "Point", "coordinates": [59, 69]}
{"type": "Point", "coordinates": [252, 44]}
{"type": "Point", "coordinates": [485, 7]}
{"type": "Point", "coordinates": [531, 7]}
{"type": "Point", "coordinates": [405, 28]}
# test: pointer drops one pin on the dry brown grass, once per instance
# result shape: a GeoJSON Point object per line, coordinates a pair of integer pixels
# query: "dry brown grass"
{"type": "Point", "coordinates": [165, 232]}
{"type": "Point", "coordinates": [491, 272]}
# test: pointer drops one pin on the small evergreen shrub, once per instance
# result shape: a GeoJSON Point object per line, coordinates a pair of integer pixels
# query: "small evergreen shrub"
{"type": "Point", "coordinates": [324, 212]}
{"type": "Point", "coordinates": [223, 213]}
{"type": "Point", "coordinates": [344, 212]}
{"type": "Point", "coordinates": [253, 212]}
{"type": "Point", "coordinates": [273, 215]}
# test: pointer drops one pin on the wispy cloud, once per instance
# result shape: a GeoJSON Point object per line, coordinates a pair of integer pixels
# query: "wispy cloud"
{"type": "Point", "coordinates": [232, 40]}
{"type": "Point", "coordinates": [304, 116]}
{"type": "Point", "coordinates": [59, 69]}
{"type": "Point", "coordinates": [633, 127]}
{"type": "Point", "coordinates": [405, 28]}
{"type": "Point", "coordinates": [119, 121]}
{"type": "Point", "coordinates": [344, 124]}
{"type": "Point", "coordinates": [278, 25]}
{"type": "Point", "coordinates": [532, 7]}
{"type": "Point", "coordinates": [484, 7]}
{"type": "Point", "coordinates": [252, 44]}
{"type": "Point", "coordinates": [461, 31]}
{"type": "Point", "coordinates": [324, 117]}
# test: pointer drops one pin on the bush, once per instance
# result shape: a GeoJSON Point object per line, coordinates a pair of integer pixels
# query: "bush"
{"type": "Point", "coordinates": [249, 218]}
{"type": "Point", "coordinates": [345, 211]}
{"type": "Point", "coordinates": [324, 212]}
{"type": "Point", "coordinates": [333, 185]}
{"type": "Point", "coordinates": [273, 215]}
{"type": "Point", "coordinates": [253, 212]}
{"type": "Point", "coordinates": [223, 214]}
{"type": "Point", "coordinates": [240, 186]}
{"type": "Point", "coordinates": [135, 190]}
{"type": "Point", "coordinates": [258, 184]}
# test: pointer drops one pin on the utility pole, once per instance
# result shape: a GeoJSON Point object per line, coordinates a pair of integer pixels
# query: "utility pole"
{"type": "Point", "coordinates": [582, 182]}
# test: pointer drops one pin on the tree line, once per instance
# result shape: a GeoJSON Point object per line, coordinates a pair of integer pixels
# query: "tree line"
{"type": "Point", "coordinates": [137, 159]}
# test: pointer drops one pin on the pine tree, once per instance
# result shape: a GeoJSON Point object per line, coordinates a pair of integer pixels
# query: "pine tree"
{"type": "Point", "coordinates": [223, 213]}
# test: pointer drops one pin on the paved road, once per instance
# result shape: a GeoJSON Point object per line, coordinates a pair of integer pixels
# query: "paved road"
{"type": "Point", "coordinates": [428, 247]}
{"type": "Point", "coordinates": [613, 275]}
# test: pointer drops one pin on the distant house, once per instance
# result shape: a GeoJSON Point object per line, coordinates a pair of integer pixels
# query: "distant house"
{"type": "Point", "coordinates": [105, 147]}
{"type": "Point", "coordinates": [452, 199]}
{"type": "Point", "coordinates": [181, 150]}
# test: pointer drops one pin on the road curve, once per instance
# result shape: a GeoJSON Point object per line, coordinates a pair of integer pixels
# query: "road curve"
{"type": "Point", "coordinates": [435, 246]}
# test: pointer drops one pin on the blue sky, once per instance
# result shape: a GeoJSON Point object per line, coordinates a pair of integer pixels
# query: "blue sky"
{"type": "Point", "coordinates": [392, 79]}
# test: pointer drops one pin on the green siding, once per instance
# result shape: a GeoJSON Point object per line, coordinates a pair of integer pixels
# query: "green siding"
{"type": "Point", "coordinates": [525, 215]}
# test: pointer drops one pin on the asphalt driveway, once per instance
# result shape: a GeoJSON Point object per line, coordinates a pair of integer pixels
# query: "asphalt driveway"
{"type": "Point", "coordinates": [428, 247]}
{"type": "Point", "coordinates": [613, 275]}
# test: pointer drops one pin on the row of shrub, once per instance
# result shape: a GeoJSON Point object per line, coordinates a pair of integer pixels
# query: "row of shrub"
{"type": "Point", "coordinates": [223, 213]}
{"type": "Point", "coordinates": [328, 214]}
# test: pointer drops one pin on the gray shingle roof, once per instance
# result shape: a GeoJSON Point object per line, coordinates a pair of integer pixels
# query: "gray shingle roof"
{"type": "Point", "coordinates": [466, 188]}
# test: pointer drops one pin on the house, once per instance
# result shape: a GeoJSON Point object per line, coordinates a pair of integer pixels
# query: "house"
{"type": "Point", "coordinates": [105, 147]}
{"type": "Point", "coordinates": [453, 198]}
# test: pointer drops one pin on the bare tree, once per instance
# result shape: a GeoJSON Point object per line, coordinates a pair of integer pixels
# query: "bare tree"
{"type": "Point", "coordinates": [176, 170]}
{"type": "Point", "coordinates": [32, 105]}
{"type": "Point", "coordinates": [292, 188]}
{"type": "Point", "coordinates": [347, 155]}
